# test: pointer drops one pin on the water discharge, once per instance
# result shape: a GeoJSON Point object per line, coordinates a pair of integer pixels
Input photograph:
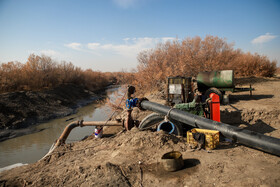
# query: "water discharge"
{"type": "Point", "coordinates": [32, 147]}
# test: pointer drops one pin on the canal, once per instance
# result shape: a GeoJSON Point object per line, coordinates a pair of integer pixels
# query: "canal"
{"type": "Point", "coordinates": [32, 147]}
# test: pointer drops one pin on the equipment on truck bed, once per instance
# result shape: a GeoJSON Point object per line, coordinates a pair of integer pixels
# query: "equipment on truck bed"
{"type": "Point", "coordinates": [218, 82]}
{"type": "Point", "coordinates": [179, 90]}
{"type": "Point", "coordinates": [182, 89]}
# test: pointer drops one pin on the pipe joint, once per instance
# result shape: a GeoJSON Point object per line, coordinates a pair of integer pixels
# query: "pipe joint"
{"type": "Point", "coordinates": [140, 102]}
{"type": "Point", "coordinates": [81, 123]}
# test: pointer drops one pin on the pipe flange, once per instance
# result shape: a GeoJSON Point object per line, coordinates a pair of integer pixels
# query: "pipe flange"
{"type": "Point", "coordinates": [81, 123]}
{"type": "Point", "coordinates": [138, 104]}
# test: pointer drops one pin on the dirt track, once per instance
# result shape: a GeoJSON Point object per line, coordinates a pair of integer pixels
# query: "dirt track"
{"type": "Point", "coordinates": [114, 161]}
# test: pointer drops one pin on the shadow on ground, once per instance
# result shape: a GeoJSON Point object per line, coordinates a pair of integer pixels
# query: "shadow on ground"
{"type": "Point", "coordinates": [246, 97]}
{"type": "Point", "coordinates": [236, 118]}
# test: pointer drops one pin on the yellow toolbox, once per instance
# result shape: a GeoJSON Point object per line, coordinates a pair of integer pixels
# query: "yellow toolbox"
{"type": "Point", "coordinates": [211, 137]}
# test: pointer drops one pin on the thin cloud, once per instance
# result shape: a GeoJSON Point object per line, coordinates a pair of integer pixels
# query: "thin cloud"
{"type": "Point", "coordinates": [131, 46]}
{"type": "Point", "coordinates": [50, 52]}
{"type": "Point", "coordinates": [165, 39]}
{"type": "Point", "coordinates": [263, 38]}
{"type": "Point", "coordinates": [125, 3]}
{"type": "Point", "coordinates": [93, 45]}
{"type": "Point", "coordinates": [74, 45]}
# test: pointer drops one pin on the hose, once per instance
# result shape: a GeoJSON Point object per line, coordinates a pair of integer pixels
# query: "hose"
{"type": "Point", "coordinates": [50, 151]}
{"type": "Point", "coordinates": [154, 118]}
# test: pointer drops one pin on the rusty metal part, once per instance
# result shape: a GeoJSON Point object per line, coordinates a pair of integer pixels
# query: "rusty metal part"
{"type": "Point", "coordinates": [172, 161]}
{"type": "Point", "coordinates": [179, 87]}
{"type": "Point", "coordinates": [217, 79]}
{"type": "Point", "coordinates": [220, 80]}
{"type": "Point", "coordinates": [61, 140]}
{"type": "Point", "coordinates": [102, 123]}
{"type": "Point", "coordinates": [66, 132]}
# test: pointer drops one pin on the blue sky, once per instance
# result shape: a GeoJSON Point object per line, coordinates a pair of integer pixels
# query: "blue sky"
{"type": "Point", "coordinates": [107, 35]}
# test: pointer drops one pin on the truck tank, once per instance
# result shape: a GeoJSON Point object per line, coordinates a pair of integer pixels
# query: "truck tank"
{"type": "Point", "coordinates": [217, 79]}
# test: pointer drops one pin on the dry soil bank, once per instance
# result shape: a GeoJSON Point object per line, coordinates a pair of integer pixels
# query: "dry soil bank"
{"type": "Point", "coordinates": [20, 110]}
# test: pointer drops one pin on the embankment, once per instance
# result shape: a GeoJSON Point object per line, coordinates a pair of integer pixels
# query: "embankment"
{"type": "Point", "coordinates": [19, 111]}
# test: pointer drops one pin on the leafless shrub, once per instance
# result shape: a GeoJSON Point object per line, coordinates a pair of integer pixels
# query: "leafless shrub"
{"type": "Point", "coordinates": [193, 55]}
{"type": "Point", "coordinates": [43, 72]}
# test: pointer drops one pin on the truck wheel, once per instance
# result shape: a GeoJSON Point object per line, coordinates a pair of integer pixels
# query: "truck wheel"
{"type": "Point", "coordinates": [214, 90]}
{"type": "Point", "coordinates": [154, 119]}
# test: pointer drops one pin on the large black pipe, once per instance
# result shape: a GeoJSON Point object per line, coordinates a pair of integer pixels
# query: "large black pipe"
{"type": "Point", "coordinates": [243, 136]}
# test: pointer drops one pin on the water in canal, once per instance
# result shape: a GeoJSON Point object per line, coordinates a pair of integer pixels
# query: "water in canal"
{"type": "Point", "coordinates": [32, 147]}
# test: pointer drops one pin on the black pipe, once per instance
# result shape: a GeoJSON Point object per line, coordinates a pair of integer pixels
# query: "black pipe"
{"type": "Point", "coordinates": [243, 136]}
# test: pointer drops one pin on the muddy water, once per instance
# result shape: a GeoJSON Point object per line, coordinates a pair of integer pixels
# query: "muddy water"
{"type": "Point", "coordinates": [32, 147]}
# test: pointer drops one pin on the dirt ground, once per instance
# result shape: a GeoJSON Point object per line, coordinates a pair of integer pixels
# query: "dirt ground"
{"type": "Point", "coordinates": [133, 158]}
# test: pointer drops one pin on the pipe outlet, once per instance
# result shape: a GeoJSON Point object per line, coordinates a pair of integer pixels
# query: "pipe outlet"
{"type": "Point", "coordinates": [166, 126]}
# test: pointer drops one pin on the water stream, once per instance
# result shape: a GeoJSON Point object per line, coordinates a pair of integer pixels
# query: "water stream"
{"type": "Point", "coordinates": [32, 147]}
